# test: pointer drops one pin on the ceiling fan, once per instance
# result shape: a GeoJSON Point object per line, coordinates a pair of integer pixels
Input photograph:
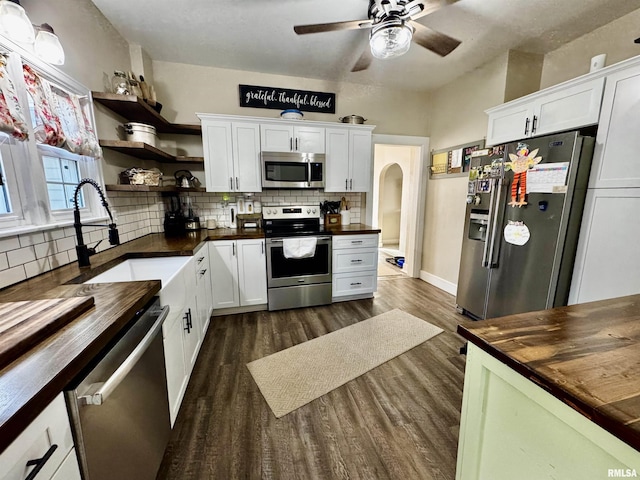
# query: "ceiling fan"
{"type": "Point", "coordinates": [393, 27]}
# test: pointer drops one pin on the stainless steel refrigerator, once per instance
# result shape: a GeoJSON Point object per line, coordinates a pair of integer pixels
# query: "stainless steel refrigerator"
{"type": "Point", "coordinates": [521, 229]}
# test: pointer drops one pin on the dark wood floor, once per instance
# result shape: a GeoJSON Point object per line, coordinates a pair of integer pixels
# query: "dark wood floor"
{"type": "Point", "coordinates": [398, 421]}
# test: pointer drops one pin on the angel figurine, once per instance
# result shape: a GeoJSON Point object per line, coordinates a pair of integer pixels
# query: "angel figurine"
{"type": "Point", "coordinates": [521, 161]}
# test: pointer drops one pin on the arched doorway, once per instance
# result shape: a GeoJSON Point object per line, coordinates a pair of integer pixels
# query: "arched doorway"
{"type": "Point", "coordinates": [390, 219]}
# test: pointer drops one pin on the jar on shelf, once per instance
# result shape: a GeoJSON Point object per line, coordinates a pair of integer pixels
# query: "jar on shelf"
{"type": "Point", "coordinates": [120, 83]}
{"type": "Point", "coordinates": [134, 86]}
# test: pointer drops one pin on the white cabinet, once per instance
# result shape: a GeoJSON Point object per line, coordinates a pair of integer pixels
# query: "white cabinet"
{"type": "Point", "coordinates": [348, 160]}
{"type": "Point", "coordinates": [292, 137]}
{"type": "Point", "coordinates": [231, 155]}
{"type": "Point", "coordinates": [354, 266]}
{"type": "Point", "coordinates": [566, 106]}
{"type": "Point", "coordinates": [191, 335]}
{"type": "Point", "coordinates": [239, 273]}
{"type": "Point", "coordinates": [177, 377]}
{"type": "Point", "coordinates": [182, 332]}
{"type": "Point", "coordinates": [615, 159]}
{"type": "Point", "coordinates": [608, 259]}
{"type": "Point", "coordinates": [204, 293]}
{"type": "Point", "coordinates": [49, 432]}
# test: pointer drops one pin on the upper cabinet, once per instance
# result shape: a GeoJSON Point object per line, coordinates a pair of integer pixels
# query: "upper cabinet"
{"type": "Point", "coordinates": [348, 159]}
{"type": "Point", "coordinates": [566, 106]}
{"type": "Point", "coordinates": [231, 155]}
{"type": "Point", "coordinates": [291, 137]}
{"type": "Point", "coordinates": [615, 159]}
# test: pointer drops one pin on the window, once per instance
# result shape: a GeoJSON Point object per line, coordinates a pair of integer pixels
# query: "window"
{"type": "Point", "coordinates": [47, 145]}
{"type": "Point", "coordinates": [62, 176]}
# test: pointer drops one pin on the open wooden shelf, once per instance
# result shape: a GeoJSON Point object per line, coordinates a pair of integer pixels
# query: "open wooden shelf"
{"type": "Point", "coordinates": [135, 109]}
{"type": "Point", "coordinates": [147, 152]}
{"type": "Point", "coordinates": [151, 188]}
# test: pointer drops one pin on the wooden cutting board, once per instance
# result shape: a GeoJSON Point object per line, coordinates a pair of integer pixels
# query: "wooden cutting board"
{"type": "Point", "coordinates": [25, 324]}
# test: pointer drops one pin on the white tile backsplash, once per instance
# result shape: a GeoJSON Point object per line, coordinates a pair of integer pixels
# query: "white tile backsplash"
{"type": "Point", "coordinates": [136, 215]}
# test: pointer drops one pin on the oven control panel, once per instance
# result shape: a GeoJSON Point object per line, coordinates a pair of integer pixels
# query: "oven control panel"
{"type": "Point", "coordinates": [290, 211]}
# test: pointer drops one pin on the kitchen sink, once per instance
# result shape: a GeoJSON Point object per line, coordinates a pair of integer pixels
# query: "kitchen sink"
{"type": "Point", "coordinates": [161, 268]}
{"type": "Point", "coordinates": [178, 281]}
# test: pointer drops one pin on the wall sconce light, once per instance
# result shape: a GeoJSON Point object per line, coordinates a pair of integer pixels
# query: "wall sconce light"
{"type": "Point", "coordinates": [47, 46]}
{"type": "Point", "coordinates": [15, 24]}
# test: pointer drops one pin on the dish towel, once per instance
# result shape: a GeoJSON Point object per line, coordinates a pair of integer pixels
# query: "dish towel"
{"type": "Point", "coordinates": [299, 247]}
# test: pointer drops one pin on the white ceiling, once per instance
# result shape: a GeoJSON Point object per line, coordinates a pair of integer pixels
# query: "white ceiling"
{"type": "Point", "coordinates": [257, 35]}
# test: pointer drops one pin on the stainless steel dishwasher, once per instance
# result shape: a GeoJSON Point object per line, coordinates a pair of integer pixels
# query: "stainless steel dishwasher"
{"type": "Point", "coordinates": [119, 407]}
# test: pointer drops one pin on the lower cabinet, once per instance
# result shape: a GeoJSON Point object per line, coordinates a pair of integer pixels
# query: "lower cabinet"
{"type": "Point", "coordinates": [354, 266]}
{"type": "Point", "coordinates": [204, 292]}
{"type": "Point", "coordinates": [240, 278]}
{"type": "Point", "coordinates": [183, 330]}
{"type": "Point", "coordinates": [47, 441]}
{"type": "Point", "coordinates": [512, 428]}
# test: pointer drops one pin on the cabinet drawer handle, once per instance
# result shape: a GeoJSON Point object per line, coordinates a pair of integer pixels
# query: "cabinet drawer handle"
{"type": "Point", "coordinates": [202, 272]}
{"type": "Point", "coordinates": [355, 284]}
{"type": "Point", "coordinates": [356, 260]}
{"type": "Point", "coordinates": [39, 462]}
{"type": "Point", "coordinates": [200, 259]}
{"type": "Point", "coordinates": [356, 241]}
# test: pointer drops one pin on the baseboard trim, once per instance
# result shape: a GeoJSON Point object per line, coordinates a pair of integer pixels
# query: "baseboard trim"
{"type": "Point", "coordinates": [441, 283]}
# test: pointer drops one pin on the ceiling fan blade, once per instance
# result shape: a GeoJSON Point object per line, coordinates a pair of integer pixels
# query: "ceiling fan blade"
{"type": "Point", "coordinates": [332, 27]}
{"type": "Point", "coordinates": [364, 61]}
{"type": "Point", "coordinates": [437, 42]}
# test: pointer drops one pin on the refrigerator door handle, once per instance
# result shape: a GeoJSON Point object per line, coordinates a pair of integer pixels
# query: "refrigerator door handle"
{"type": "Point", "coordinates": [489, 238]}
{"type": "Point", "coordinates": [494, 227]}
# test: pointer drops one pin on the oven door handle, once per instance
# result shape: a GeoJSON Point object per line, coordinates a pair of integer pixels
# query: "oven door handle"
{"type": "Point", "coordinates": [105, 389]}
{"type": "Point", "coordinates": [279, 240]}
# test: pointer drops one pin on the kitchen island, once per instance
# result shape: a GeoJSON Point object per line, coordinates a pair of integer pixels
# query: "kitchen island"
{"type": "Point", "coordinates": [553, 394]}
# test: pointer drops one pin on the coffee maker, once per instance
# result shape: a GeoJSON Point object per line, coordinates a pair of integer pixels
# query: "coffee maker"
{"type": "Point", "coordinates": [174, 221]}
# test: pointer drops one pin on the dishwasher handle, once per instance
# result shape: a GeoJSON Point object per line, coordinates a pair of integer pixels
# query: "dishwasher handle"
{"type": "Point", "coordinates": [105, 389]}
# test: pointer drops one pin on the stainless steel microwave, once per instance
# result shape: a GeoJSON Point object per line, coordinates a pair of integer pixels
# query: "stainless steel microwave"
{"type": "Point", "coordinates": [292, 170]}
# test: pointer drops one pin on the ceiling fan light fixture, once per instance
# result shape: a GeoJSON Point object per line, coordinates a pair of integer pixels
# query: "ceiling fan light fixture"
{"type": "Point", "coordinates": [391, 38]}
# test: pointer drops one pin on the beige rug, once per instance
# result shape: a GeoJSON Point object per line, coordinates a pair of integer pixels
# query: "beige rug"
{"type": "Point", "coordinates": [293, 377]}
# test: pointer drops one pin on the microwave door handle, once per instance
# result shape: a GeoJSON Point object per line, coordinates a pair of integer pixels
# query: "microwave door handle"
{"type": "Point", "coordinates": [308, 172]}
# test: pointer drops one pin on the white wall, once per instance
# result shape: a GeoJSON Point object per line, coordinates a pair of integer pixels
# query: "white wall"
{"type": "Point", "coordinates": [458, 118]}
{"type": "Point", "coordinates": [186, 89]}
{"type": "Point", "coordinates": [573, 59]}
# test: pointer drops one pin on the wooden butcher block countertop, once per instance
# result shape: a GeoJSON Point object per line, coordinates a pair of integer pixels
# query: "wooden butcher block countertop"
{"type": "Point", "coordinates": [586, 355]}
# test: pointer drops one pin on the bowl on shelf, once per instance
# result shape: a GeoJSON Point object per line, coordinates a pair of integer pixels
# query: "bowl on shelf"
{"type": "Point", "coordinates": [291, 114]}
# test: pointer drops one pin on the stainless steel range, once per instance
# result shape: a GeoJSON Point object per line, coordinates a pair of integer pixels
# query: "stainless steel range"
{"type": "Point", "coordinates": [298, 257]}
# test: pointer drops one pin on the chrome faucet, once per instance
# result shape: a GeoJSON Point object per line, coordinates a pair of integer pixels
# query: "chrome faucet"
{"type": "Point", "coordinates": [83, 251]}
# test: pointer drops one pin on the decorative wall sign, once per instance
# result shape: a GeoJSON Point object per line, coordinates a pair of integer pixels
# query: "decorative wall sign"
{"type": "Point", "coordinates": [284, 98]}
